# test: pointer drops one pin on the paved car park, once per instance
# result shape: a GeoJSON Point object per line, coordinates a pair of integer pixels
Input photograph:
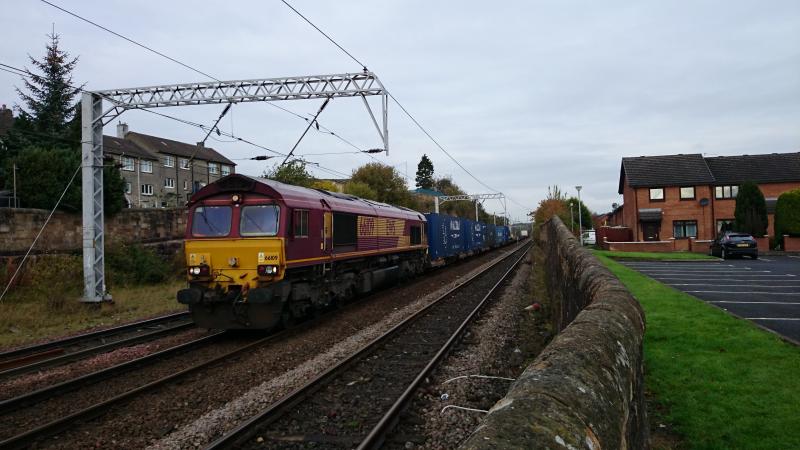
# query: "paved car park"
{"type": "Point", "coordinates": [765, 291]}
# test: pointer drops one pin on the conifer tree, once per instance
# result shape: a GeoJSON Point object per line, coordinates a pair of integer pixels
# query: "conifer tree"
{"type": "Point", "coordinates": [425, 173]}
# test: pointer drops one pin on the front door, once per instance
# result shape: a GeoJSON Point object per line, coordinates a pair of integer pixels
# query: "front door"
{"type": "Point", "coordinates": [650, 230]}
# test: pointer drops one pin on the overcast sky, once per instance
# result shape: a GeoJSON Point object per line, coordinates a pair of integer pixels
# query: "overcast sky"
{"type": "Point", "coordinates": [524, 94]}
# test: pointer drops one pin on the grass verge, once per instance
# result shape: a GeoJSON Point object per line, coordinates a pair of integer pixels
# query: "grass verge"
{"type": "Point", "coordinates": [724, 382]}
{"type": "Point", "coordinates": [24, 321]}
{"type": "Point", "coordinates": [658, 256]}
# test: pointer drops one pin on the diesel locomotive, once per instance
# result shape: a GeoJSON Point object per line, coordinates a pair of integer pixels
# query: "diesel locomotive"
{"type": "Point", "coordinates": [261, 253]}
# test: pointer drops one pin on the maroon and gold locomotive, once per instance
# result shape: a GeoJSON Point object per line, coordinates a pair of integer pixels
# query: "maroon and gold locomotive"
{"type": "Point", "coordinates": [261, 253]}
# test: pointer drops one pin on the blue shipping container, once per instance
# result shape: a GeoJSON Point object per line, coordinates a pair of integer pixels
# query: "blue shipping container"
{"type": "Point", "coordinates": [445, 236]}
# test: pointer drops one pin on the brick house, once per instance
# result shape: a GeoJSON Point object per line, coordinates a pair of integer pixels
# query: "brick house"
{"type": "Point", "coordinates": [683, 196]}
{"type": "Point", "coordinates": [160, 172]}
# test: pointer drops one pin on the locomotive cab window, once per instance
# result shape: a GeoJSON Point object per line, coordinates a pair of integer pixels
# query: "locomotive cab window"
{"type": "Point", "coordinates": [211, 221]}
{"type": "Point", "coordinates": [300, 223]}
{"type": "Point", "coordinates": [259, 220]}
{"type": "Point", "coordinates": [416, 235]}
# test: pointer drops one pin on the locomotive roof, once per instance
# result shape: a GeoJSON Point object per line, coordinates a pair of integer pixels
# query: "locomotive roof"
{"type": "Point", "coordinates": [301, 197]}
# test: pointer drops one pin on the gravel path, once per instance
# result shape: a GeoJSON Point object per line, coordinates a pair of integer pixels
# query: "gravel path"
{"type": "Point", "coordinates": [171, 416]}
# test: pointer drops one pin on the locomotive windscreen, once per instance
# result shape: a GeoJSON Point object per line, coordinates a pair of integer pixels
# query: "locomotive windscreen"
{"type": "Point", "coordinates": [345, 229]}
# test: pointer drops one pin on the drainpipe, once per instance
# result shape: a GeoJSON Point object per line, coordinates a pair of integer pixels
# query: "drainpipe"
{"type": "Point", "coordinates": [137, 163]}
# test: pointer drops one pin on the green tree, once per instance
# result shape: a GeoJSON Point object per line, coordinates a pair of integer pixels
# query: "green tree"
{"type": "Point", "coordinates": [44, 141]}
{"type": "Point", "coordinates": [325, 185]}
{"type": "Point", "coordinates": [585, 220]}
{"type": "Point", "coordinates": [388, 185]}
{"type": "Point", "coordinates": [787, 215]}
{"type": "Point", "coordinates": [293, 172]}
{"type": "Point", "coordinates": [50, 97]}
{"type": "Point", "coordinates": [751, 210]}
{"type": "Point", "coordinates": [425, 173]}
{"type": "Point", "coordinates": [360, 189]}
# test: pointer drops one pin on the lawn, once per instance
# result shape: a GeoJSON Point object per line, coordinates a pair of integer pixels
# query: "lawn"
{"type": "Point", "coordinates": [660, 256]}
{"type": "Point", "coordinates": [725, 383]}
{"type": "Point", "coordinates": [26, 319]}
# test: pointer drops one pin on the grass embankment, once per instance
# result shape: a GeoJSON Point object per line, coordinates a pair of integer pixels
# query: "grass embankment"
{"type": "Point", "coordinates": [724, 382]}
{"type": "Point", "coordinates": [45, 301]}
{"type": "Point", "coordinates": [658, 256]}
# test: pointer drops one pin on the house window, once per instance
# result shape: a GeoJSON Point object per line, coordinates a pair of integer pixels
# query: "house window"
{"type": "Point", "coordinates": [185, 185]}
{"type": "Point", "coordinates": [184, 164]}
{"type": "Point", "coordinates": [213, 168]}
{"type": "Point", "coordinates": [127, 163]}
{"type": "Point", "coordinates": [169, 161]}
{"type": "Point", "coordinates": [687, 193]}
{"type": "Point", "coordinates": [684, 228]}
{"type": "Point", "coordinates": [726, 191]}
{"type": "Point", "coordinates": [146, 166]}
{"type": "Point", "coordinates": [657, 194]}
{"type": "Point", "coordinates": [226, 170]}
{"type": "Point", "coordinates": [147, 189]}
{"type": "Point", "coordinates": [724, 225]}
{"type": "Point", "coordinates": [300, 223]}
{"type": "Point", "coordinates": [128, 187]}
{"type": "Point", "coordinates": [169, 183]}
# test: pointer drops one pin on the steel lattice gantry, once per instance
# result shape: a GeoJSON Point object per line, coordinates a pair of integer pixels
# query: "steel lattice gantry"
{"type": "Point", "coordinates": [93, 117]}
{"type": "Point", "coordinates": [473, 197]}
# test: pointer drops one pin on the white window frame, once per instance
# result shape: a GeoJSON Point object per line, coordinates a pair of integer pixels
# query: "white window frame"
{"type": "Point", "coordinates": [680, 191]}
{"type": "Point", "coordinates": [656, 199]}
{"type": "Point", "coordinates": [147, 189]}
{"type": "Point", "coordinates": [146, 166]}
{"type": "Point", "coordinates": [128, 187]}
{"type": "Point", "coordinates": [169, 161]}
{"type": "Point", "coordinates": [185, 185]}
{"type": "Point", "coordinates": [184, 163]}
{"type": "Point", "coordinates": [169, 183]}
{"type": "Point", "coordinates": [225, 170]}
{"type": "Point", "coordinates": [213, 168]}
{"type": "Point", "coordinates": [128, 163]}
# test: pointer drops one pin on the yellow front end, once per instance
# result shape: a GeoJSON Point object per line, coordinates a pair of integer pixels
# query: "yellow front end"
{"type": "Point", "coordinates": [243, 263]}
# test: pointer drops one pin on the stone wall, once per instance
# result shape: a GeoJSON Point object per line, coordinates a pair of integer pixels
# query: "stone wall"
{"type": "Point", "coordinates": [585, 390]}
{"type": "Point", "coordinates": [18, 228]}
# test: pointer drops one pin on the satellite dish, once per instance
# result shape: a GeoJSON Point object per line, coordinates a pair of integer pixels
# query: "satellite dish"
{"type": "Point", "coordinates": [703, 202]}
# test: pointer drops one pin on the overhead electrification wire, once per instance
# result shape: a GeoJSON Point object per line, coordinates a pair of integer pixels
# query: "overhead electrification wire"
{"type": "Point", "coordinates": [407, 113]}
{"type": "Point", "coordinates": [192, 68]}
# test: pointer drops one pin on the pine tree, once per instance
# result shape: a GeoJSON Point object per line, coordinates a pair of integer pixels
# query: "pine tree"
{"type": "Point", "coordinates": [50, 100]}
{"type": "Point", "coordinates": [425, 173]}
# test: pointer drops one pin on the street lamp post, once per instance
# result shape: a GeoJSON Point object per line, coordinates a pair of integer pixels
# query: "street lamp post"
{"type": "Point", "coordinates": [580, 214]}
{"type": "Point", "coordinates": [571, 217]}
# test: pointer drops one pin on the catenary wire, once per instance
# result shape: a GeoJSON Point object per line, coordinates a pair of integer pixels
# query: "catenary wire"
{"type": "Point", "coordinates": [405, 111]}
{"type": "Point", "coordinates": [192, 68]}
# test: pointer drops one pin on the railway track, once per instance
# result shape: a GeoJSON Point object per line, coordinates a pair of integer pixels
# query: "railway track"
{"type": "Point", "coordinates": [356, 403]}
{"type": "Point", "coordinates": [63, 351]}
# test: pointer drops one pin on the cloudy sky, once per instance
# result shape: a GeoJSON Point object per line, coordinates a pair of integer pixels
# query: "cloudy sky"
{"type": "Point", "coordinates": [525, 94]}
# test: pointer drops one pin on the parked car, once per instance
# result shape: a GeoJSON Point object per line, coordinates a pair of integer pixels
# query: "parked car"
{"type": "Point", "coordinates": [589, 237]}
{"type": "Point", "coordinates": [733, 243]}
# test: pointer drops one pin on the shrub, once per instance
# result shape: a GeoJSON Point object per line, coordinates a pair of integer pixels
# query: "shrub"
{"type": "Point", "coordinates": [787, 214]}
{"type": "Point", "coordinates": [751, 210]}
{"type": "Point", "coordinates": [51, 278]}
{"type": "Point", "coordinates": [134, 264]}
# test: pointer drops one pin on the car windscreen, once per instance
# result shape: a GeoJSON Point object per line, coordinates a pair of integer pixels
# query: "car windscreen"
{"type": "Point", "coordinates": [259, 220]}
{"type": "Point", "coordinates": [211, 221]}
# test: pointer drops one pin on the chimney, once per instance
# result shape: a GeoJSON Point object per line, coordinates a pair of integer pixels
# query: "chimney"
{"type": "Point", "coordinates": [122, 130]}
{"type": "Point", "coordinates": [201, 144]}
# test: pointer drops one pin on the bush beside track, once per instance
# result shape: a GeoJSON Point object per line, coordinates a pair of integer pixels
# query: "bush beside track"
{"type": "Point", "coordinates": [585, 390]}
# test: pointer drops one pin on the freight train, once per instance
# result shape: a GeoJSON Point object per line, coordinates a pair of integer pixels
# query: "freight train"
{"type": "Point", "coordinates": [262, 254]}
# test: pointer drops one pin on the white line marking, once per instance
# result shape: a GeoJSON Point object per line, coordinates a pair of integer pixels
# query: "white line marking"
{"type": "Point", "coordinates": [755, 303]}
{"type": "Point", "coordinates": [747, 292]}
{"type": "Point", "coordinates": [764, 259]}
{"type": "Point", "coordinates": [737, 285]}
{"type": "Point", "coordinates": [792, 256]}
{"type": "Point", "coordinates": [772, 318]}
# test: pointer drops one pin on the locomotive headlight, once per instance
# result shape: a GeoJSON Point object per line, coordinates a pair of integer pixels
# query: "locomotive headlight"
{"type": "Point", "coordinates": [267, 270]}
{"type": "Point", "coordinates": [235, 198]}
{"type": "Point", "coordinates": [194, 271]}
